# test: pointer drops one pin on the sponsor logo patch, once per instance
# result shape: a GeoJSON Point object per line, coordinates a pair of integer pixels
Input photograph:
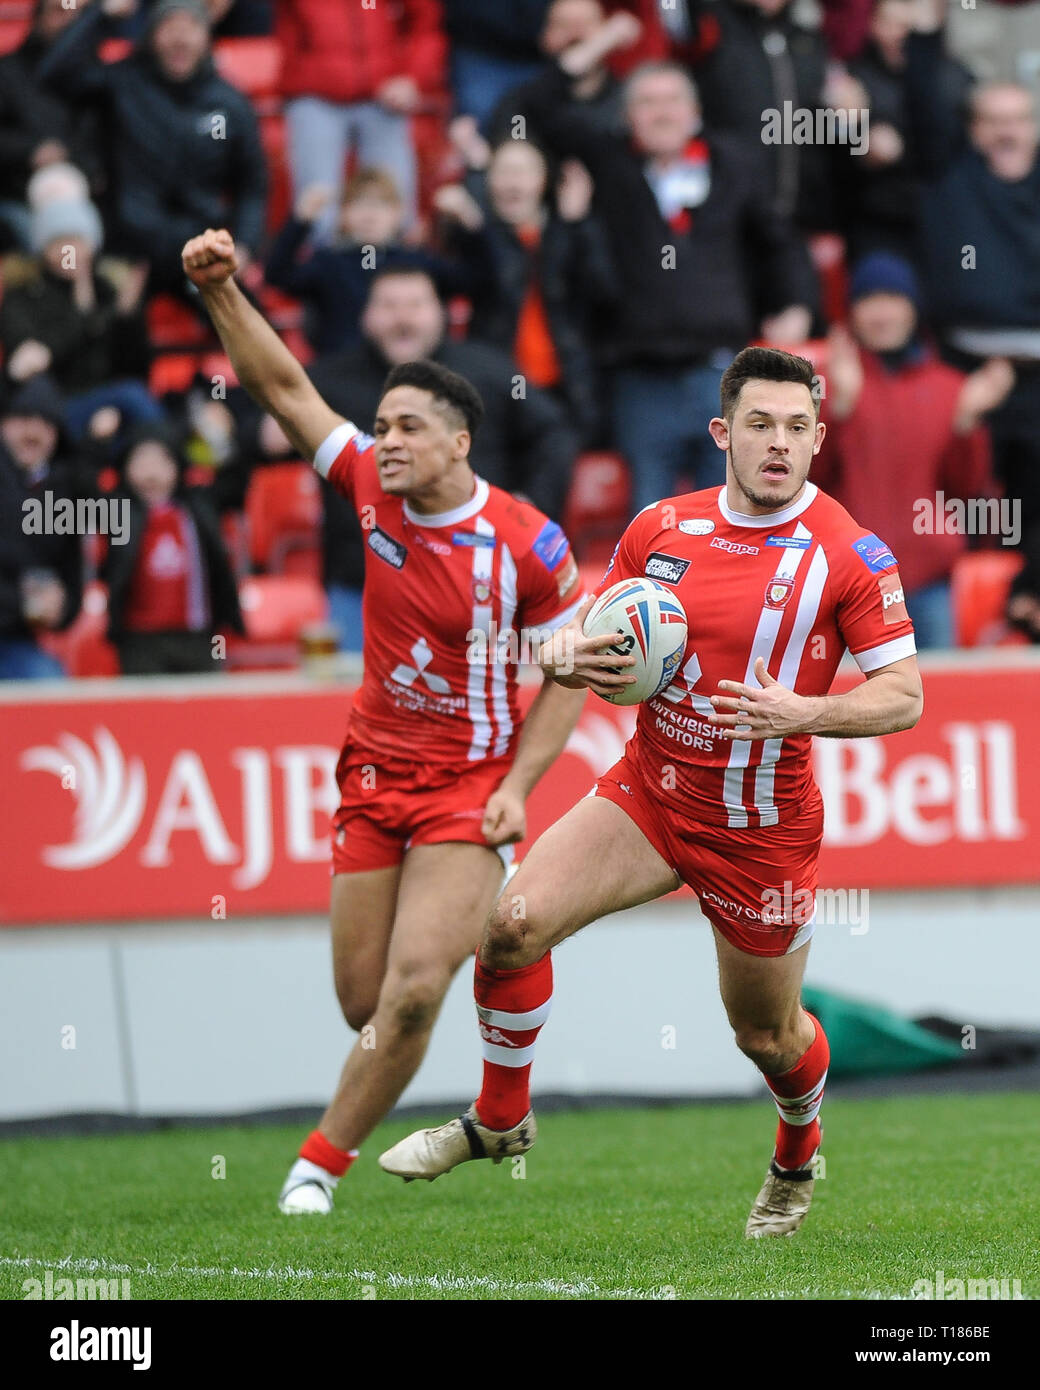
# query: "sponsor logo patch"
{"type": "Point", "coordinates": [733, 547]}
{"type": "Point", "coordinates": [567, 576]}
{"type": "Point", "coordinates": [393, 552]}
{"type": "Point", "coordinates": [472, 538]}
{"type": "Point", "coordinates": [551, 546]}
{"type": "Point", "coordinates": [790, 542]}
{"type": "Point", "coordinates": [697, 527]}
{"type": "Point", "coordinates": [893, 601]}
{"type": "Point", "coordinates": [666, 568]}
{"type": "Point", "coordinates": [428, 543]}
{"type": "Point", "coordinates": [778, 591]}
{"type": "Point", "coordinates": [874, 553]}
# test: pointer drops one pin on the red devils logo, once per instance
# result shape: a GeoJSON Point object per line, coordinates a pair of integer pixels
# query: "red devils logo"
{"type": "Point", "coordinates": [778, 591]}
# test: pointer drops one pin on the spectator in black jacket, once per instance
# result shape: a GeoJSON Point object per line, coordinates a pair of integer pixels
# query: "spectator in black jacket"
{"type": "Point", "coordinates": [881, 205]}
{"type": "Point", "coordinates": [63, 314]}
{"type": "Point", "coordinates": [38, 126]}
{"type": "Point", "coordinates": [704, 263]}
{"type": "Point", "coordinates": [334, 280]}
{"type": "Point", "coordinates": [41, 571]}
{"type": "Point", "coordinates": [170, 586]}
{"type": "Point", "coordinates": [186, 148]}
{"type": "Point", "coordinates": [980, 243]}
{"type": "Point", "coordinates": [525, 444]}
{"type": "Point", "coordinates": [494, 45]}
{"type": "Point", "coordinates": [551, 278]}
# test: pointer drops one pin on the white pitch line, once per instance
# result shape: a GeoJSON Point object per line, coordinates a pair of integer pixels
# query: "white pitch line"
{"type": "Point", "coordinates": [439, 1282]}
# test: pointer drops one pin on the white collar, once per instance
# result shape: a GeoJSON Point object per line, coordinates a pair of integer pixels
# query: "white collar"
{"type": "Point", "coordinates": [807, 498]}
{"type": "Point", "coordinates": [458, 514]}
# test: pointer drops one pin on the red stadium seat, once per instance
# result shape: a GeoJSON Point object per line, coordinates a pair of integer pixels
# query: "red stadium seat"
{"type": "Point", "coordinates": [254, 66]}
{"type": "Point", "coordinates": [828, 255]}
{"type": "Point", "coordinates": [172, 325]}
{"type": "Point", "coordinates": [276, 609]}
{"type": "Point", "coordinates": [172, 372]}
{"type": "Point", "coordinates": [981, 580]}
{"type": "Point", "coordinates": [83, 648]}
{"type": "Point", "coordinates": [275, 141]}
{"type": "Point", "coordinates": [283, 512]}
{"type": "Point", "coordinates": [12, 32]}
{"type": "Point", "coordinates": [597, 506]}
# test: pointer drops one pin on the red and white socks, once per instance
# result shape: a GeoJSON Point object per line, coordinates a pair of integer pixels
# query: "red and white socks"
{"type": "Point", "coordinates": [512, 1005]}
{"type": "Point", "coordinates": [798, 1093]}
{"type": "Point", "coordinates": [320, 1161]}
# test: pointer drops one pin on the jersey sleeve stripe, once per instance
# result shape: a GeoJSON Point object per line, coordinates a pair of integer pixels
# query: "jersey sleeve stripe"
{"type": "Point", "coordinates": [332, 446]}
{"type": "Point", "coordinates": [875, 657]}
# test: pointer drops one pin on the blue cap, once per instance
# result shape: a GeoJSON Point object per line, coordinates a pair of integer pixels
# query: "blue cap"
{"type": "Point", "coordinates": [883, 273]}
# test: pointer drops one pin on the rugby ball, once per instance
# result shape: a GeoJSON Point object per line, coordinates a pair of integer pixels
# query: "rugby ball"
{"type": "Point", "coordinates": [652, 622]}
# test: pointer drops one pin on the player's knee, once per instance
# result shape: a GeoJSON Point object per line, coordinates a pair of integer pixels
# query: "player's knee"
{"type": "Point", "coordinates": [509, 937]}
{"type": "Point", "coordinates": [412, 997]}
{"type": "Point", "coordinates": [764, 1046]}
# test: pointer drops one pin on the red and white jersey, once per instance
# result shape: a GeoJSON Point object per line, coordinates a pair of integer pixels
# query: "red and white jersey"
{"type": "Point", "coordinates": [797, 588]}
{"type": "Point", "coordinates": [452, 603]}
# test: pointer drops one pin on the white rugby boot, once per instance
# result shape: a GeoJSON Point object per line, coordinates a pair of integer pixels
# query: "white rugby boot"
{"type": "Point", "coordinates": [783, 1202]}
{"type": "Point", "coordinates": [430, 1152]}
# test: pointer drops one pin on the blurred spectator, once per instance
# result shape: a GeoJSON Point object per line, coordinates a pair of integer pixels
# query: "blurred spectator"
{"type": "Point", "coordinates": [40, 574]}
{"type": "Point", "coordinates": [185, 146]}
{"type": "Point", "coordinates": [38, 126]}
{"type": "Point", "coordinates": [703, 263]}
{"type": "Point", "coordinates": [83, 324]}
{"type": "Point", "coordinates": [240, 18]}
{"type": "Point", "coordinates": [524, 443]}
{"type": "Point", "coordinates": [494, 46]}
{"type": "Point", "coordinates": [761, 59]}
{"type": "Point", "coordinates": [334, 280]}
{"type": "Point", "coordinates": [980, 217]}
{"type": "Point", "coordinates": [351, 78]}
{"type": "Point", "coordinates": [1023, 605]}
{"type": "Point", "coordinates": [904, 427]}
{"type": "Point", "coordinates": [881, 205]}
{"type": "Point", "coordinates": [170, 587]}
{"type": "Point", "coordinates": [551, 273]}
{"type": "Point", "coordinates": [598, 91]}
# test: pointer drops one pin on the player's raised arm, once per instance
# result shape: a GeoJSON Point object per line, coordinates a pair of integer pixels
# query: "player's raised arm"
{"type": "Point", "coordinates": [262, 362]}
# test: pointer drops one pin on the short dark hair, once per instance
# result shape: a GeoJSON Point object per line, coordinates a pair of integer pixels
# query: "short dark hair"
{"type": "Point", "coordinates": [402, 272]}
{"type": "Point", "coordinates": [447, 388]}
{"type": "Point", "coordinates": [764, 364]}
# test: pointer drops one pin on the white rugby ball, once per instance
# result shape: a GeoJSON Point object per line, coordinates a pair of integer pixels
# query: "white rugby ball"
{"type": "Point", "coordinates": [652, 622]}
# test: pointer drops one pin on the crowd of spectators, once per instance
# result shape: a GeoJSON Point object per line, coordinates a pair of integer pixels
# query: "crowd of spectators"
{"type": "Point", "coordinates": [582, 205]}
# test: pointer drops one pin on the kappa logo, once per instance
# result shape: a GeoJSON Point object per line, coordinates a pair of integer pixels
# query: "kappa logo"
{"type": "Point", "coordinates": [667, 568]}
{"type": "Point", "coordinates": [110, 797]}
{"type": "Point", "coordinates": [733, 547]}
{"type": "Point", "coordinates": [893, 600]}
{"type": "Point", "coordinates": [393, 552]}
{"type": "Point", "coordinates": [422, 656]}
{"type": "Point", "coordinates": [697, 527]}
{"type": "Point", "coordinates": [494, 1035]}
{"type": "Point", "coordinates": [778, 591]}
{"type": "Point", "coordinates": [428, 543]}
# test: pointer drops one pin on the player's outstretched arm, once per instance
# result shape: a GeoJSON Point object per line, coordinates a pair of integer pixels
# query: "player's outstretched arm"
{"type": "Point", "coordinates": [890, 699]}
{"type": "Point", "coordinates": [262, 362]}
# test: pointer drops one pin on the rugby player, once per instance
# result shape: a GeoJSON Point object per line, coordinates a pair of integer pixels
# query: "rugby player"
{"type": "Point", "coordinates": [437, 763]}
{"type": "Point", "coordinates": [715, 788]}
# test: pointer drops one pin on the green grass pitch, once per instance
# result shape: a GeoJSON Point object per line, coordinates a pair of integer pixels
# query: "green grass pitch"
{"type": "Point", "coordinates": [612, 1204]}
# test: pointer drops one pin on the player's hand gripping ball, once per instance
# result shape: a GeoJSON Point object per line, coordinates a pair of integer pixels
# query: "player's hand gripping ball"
{"type": "Point", "coordinates": [652, 622]}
